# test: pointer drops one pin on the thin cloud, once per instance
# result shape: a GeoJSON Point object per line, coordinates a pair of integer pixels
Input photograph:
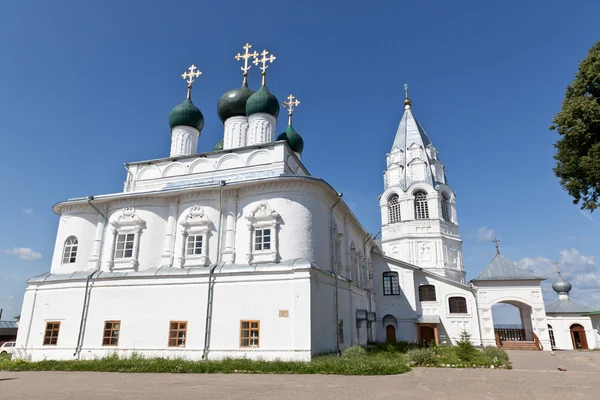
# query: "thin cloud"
{"type": "Point", "coordinates": [24, 253]}
{"type": "Point", "coordinates": [485, 234]}
{"type": "Point", "coordinates": [588, 216]}
{"type": "Point", "coordinates": [28, 211]}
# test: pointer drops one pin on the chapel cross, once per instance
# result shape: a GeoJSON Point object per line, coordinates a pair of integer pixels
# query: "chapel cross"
{"type": "Point", "coordinates": [264, 60]}
{"type": "Point", "coordinates": [190, 77]}
{"type": "Point", "coordinates": [291, 103]}
{"type": "Point", "coordinates": [406, 89]}
{"type": "Point", "coordinates": [496, 241]}
{"type": "Point", "coordinates": [246, 56]}
{"type": "Point", "coordinates": [557, 267]}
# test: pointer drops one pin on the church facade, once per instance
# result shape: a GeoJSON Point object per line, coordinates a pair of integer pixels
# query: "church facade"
{"type": "Point", "coordinates": [240, 252]}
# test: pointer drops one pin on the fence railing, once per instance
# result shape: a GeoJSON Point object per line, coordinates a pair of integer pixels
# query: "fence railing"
{"type": "Point", "coordinates": [510, 334]}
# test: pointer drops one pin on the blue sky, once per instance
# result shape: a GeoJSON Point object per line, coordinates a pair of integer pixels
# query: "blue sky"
{"type": "Point", "coordinates": [87, 87]}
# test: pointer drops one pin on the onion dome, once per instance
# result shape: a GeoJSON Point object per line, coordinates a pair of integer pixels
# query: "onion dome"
{"type": "Point", "coordinates": [293, 138]}
{"type": "Point", "coordinates": [218, 146]}
{"type": "Point", "coordinates": [262, 101]}
{"type": "Point", "coordinates": [561, 286]}
{"type": "Point", "coordinates": [186, 114]}
{"type": "Point", "coordinates": [233, 102]}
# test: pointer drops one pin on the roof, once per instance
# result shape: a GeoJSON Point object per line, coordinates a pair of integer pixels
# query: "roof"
{"type": "Point", "coordinates": [428, 319]}
{"type": "Point", "coordinates": [567, 306]}
{"type": "Point", "coordinates": [502, 269]}
{"type": "Point", "coordinates": [8, 324]}
{"type": "Point", "coordinates": [594, 313]}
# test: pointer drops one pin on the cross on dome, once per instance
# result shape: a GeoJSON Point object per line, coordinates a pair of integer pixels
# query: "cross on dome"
{"type": "Point", "coordinates": [496, 241]}
{"type": "Point", "coordinates": [291, 104]}
{"type": "Point", "coordinates": [557, 267]}
{"type": "Point", "coordinates": [407, 101]}
{"type": "Point", "coordinates": [190, 77]}
{"type": "Point", "coordinates": [246, 56]}
{"type": "Point", "coordinates": [264, 60]}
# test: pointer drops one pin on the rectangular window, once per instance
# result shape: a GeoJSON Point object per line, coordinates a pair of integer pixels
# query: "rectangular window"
{"type": "Point", "coordinates": [194, 245]}
{"type": "Point", "coordinates": [124, 245]}
{"type": "Point", "coordinates": [177, 333]}
{"type": "Point", "coordinates": [340, 331]}
{"type": "Point", "coordinates": [391, 284]}
{"type": "Point", "coordinates": [458, 305]}
{"type": "Point", "coordinates": [51, 333]}
{"type": "Point", "coordinates": [249, 333]}
{"type": "Point", "coordinates": [262, 239]}
{"type": "Point", "coordinates": [111, 333]}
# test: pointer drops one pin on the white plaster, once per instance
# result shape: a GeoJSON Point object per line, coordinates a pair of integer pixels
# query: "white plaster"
{"type": "Point", "coordinates": [184, 140]}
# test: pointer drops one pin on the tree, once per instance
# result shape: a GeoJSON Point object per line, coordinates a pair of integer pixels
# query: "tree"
{"type": "Point", "coordinates": [578, 124]}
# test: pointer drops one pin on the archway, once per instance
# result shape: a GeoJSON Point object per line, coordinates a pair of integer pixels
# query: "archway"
{"type": "Point", "coordinates": [578, 337]}
{"type": "Point", "coordinates": [389, 323]}
{"type": "Point", "coordinates": [512, 321]}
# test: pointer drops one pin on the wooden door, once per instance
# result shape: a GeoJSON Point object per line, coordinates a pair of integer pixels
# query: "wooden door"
{"type": "Point", "coordinates": [427, 335]}
{"type": "Point", "coordinates": [578, 337]}
{"type": "Point", "coordinates": [390, 334]}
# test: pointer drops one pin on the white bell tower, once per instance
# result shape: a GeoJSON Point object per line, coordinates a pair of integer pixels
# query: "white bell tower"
{"type": "Point", "coordinates": [418, 208]}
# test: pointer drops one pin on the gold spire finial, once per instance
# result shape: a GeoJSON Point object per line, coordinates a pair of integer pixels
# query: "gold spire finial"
{"type": "Point", "coordinates": [496, 241]}
{"type": "Point", "coordinates": [190, 77]}
{"type": "Point", "coordinates": [557, 267]}
{"type": "Point", "coordinates": [246, 56]}
{"type": "Point", "coordinates": [407, 101]}
{"type": "Point", "coordinates": [291, 103]}
{"type": "Point", "coordinates": [264, 60]}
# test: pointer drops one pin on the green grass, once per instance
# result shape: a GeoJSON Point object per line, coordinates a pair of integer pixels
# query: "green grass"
{"type": "Point", "coordinates": [371, 364]}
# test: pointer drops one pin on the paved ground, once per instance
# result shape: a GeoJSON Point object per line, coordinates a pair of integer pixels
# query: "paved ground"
{"type": "Point", "coordinates": [534, 377]}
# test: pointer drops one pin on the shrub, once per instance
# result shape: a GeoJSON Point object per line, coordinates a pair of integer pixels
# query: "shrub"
{"type": "Point", "coordinates": [422, 356]}
{"type": "Point", "coordinates": [354, 352]}
{"type": "Point", "coordinates": [464, 348]}
{"type": "Point", "coordinates": [495, 353]}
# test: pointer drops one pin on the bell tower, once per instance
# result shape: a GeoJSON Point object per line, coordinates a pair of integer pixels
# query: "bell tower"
{"type": "Point", "coordinates": [418, 207]}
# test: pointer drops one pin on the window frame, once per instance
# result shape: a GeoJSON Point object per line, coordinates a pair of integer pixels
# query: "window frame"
{"type": "Point", "coordinates": [421, 205]}
{"type": "Point", "coordinates": [112, 329]}
{"type": "Point", "coordinates": [445, 208]}
{"type": "Point", "coordinates": [72, 248]}
{"type": "Point", "coordinates": [126, 240]}
{"type": "Point", "coordinates": [390, 275]}
{"type": "Point", "coordinates": [261, 216]}
{"type": "Point", "coordinates": [423, 289]}
{"type": "Point", "coordinates": [250, 329]}
{"type": "Point", "coordinates": [459, 311]}
{"type": "Point", "coordinates": [262, 236]}
{"type": "Point", "coordinates": [178, 329]}
{"type": "Point", "coordinates": [394, 213]}
{"type": "Point", "coordinates": [127, 222]}
{"type": "Point", "coordinates": [195, 223]}
{"type": "Point", "coordinates": [196, 238]}
{"type": "Point", "coordinates": [49, 333]}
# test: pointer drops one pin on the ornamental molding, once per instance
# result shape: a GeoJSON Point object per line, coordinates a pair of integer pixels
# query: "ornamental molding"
{"type": "Point", "coordinates": [128, 219]}
{"type": "Point", "coordinates": [261, 212]}
{"type": "Point", "coordinates": [196, 218]}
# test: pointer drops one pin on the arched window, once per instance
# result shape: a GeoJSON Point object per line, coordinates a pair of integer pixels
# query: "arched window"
{"type": "Point", "coordinates": [391, 284]}
{"type": "Point", "coordinates": [394, 209]}
{"type": "Point", "coordinates": [70, 251]}
{"type": "Point", "coordinates": [427, 293]}
{"type": "Point", "coordinates": [458, 305]}
{"type": "Point", "coordinates": [445, 209]}
{"type": "Point", "coordinates": [421, 207]}
{"type": "Point", "coordinates": [551, 333]}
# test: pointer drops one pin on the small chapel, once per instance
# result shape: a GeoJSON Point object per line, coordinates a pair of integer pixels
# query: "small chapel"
{"type": "Point", "coordinates": [241, 252]}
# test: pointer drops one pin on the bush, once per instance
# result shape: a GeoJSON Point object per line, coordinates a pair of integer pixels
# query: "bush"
{"type": "Point", "coordinates": [495, 353]}
{"type": "Point", "coordinates": [354, 352]}
{"type": "Point", "coordinates": [464, 348]}
{"type": "Point", "coordinates": [422, 357]}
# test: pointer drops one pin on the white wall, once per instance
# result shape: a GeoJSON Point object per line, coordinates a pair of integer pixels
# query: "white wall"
{"type": "Point", "coordinates": [561, 326]}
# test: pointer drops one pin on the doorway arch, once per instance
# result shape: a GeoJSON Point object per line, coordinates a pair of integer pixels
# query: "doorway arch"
{"type": "Point", "coordinates": [578, 337]}
{"type": "Point", "coordinates": [389, 322]}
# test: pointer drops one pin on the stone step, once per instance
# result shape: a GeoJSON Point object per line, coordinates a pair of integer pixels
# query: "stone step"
{"type": "Point", "coordinates": [519, 345]}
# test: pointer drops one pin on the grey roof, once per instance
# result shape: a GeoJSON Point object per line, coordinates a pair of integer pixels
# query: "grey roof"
{"type": "Point", "coordinates": [8, 324]}
{"type": "Point", "coordinates": [501, 269]}
{"type": "Point", "coordinates": [428, 319]}
{"type": "Point", "coordinates": [567, 306]}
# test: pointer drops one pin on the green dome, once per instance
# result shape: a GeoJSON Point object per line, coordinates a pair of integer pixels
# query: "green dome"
{"type": "Point", "coordinates": [293, 138]}
{"type": "Point", "coordinates": [186, 114]}
{"type": "Point", "coordinates": [218, 145]}
{"type": "Point", "coordinates": [262, 101]}
{"type": "Point", "coordinates": [233, 102]}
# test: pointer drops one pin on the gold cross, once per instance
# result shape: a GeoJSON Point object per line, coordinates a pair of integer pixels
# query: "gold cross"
{"type": "Point", "coordinates": [191, 76]}
{"type": "Point", "coordinates": [246, 56]}
{"type": "Point", "coordinates": [264, 60]}
{"type": "Point", "coordinates": [497, 249]}
{"type": "Point", "coordinates": [291, 103]}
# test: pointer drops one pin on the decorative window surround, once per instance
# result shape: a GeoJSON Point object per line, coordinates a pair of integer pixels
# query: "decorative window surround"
{"type": "Point", "coordinates": [195, 224]}
{"type": "Point", "coordinates": [127, 223]}
{"type": "Point", "coordinates": [262, 217]}
{"type": "Point", "coordinates": [70, 250]}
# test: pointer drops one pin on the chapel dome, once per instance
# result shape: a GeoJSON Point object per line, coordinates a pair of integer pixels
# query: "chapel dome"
{"type": "Point", "coordinates": [233, 102]}
{"type": "Point", "coordinates": [293, 138]}
{"type": "Point", "coordinates": [186, 114]}
{"type": "Point", "coordinates": [262, 101]}
{"type": "Point", "coordinates": [561, 285]}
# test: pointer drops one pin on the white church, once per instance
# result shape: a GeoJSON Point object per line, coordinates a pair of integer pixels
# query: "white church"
{"type": "Point", "coordinates": [241, 252]}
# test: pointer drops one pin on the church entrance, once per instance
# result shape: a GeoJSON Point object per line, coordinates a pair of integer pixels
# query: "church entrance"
{"type": "Point", "coordinates": [426, 335]}
{"type": "Point", "coordinates": [578, 337]}
{"type": "Point", "coordinates": [390, 334]}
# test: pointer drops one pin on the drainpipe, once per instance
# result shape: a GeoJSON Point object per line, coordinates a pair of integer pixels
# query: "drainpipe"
{"type": "Point", "coordinates": [336, 309]}
{"type": "Point", "coordinates": [86, 298]}
{"type": "Point", "coordinates": [366, 266]}
{"type": "Point", "coordinates": [209, 301]}
{"type": "Point", "coordinates": [477, 309]}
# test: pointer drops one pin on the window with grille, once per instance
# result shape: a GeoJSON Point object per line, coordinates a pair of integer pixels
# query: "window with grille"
{"type": "Point", "coordinates": [112, 329]}
{"type": "Point", "coordinates": [177, 333]}
{"type": "Point", "coordinates": [421, 207]}
{"type": "Point", "coordinates": [262, 239]}
{"type": "Point", "coordinates": [445, 209]}
{"type": "Point", "coordinates": [394, 209]}
{"type": "Point", "coordinates": [427, 293]}
{"type": "Point", "coordinates": [391, 284]}
{"type": "Point", "coordinates": [70, 251]}
{"type": "Point", "coordinates": [194, 245]}
{"type": "Point", "coordinates": [458, 305]}
{"type": "Point", "coordinates": [51, 333]}
{"type": "Point", "coordinates": [125, 245]}
{"type": "Point", "coordinates": [249, 333]}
